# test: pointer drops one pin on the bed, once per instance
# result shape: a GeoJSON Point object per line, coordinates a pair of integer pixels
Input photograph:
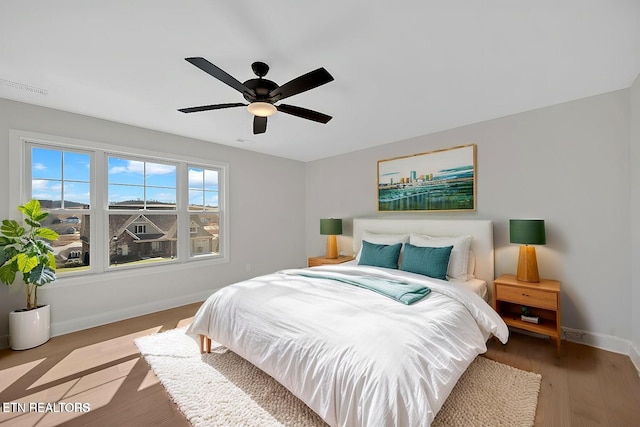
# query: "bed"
{"type": "Point", "coordinates": [354, 356]}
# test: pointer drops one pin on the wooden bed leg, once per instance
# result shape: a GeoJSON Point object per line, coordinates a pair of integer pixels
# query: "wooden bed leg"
{"type": "Point", "coordinates": [205, 344]}
{"type": "Point", "coordinates": [201, 342]}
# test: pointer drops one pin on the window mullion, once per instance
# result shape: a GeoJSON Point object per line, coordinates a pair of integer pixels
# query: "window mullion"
{"type": "Point", "coordinates": [182, 206]}
{"type": "Point", "coordinates": [28, 181]}
{"type": "Point", "coordinates": [100, 221]}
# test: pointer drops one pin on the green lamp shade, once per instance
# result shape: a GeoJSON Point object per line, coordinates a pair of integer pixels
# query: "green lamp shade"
{"type": "Point", "coordinates": [330, 227]}
{"type": "Point", "coordinates": [527, 231]}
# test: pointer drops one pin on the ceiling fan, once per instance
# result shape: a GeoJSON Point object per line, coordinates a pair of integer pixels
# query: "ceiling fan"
{"type": "Point", "coordinates": [262, 94]}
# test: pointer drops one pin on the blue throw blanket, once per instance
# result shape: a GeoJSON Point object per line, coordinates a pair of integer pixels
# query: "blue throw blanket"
{"type": "Point", "coordinates": [404, 292]}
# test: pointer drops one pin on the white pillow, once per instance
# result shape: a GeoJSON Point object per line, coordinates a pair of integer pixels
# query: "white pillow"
{"type": "Point", "coordinates": [471, 268]}
{"type": "Point", "coordinates": [383, 239]}
{"type": "Point", "coordinates": [459, 260]}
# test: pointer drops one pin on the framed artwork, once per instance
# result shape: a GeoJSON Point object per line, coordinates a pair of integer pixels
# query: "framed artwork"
{"type": "Point", "coordinates": [437, 181]}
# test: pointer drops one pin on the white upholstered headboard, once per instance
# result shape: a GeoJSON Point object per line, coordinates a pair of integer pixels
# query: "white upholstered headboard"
{"type": "Point", "coordinates": [481, 230]}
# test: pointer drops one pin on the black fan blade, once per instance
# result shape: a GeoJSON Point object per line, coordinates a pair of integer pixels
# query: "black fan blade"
{"type": "Point", "coordinates": [210, 107]}
{"type": "Point", "coordinates": [304, 113]}
{"type": "Point", "coordinates": [259, 124]}
{"type": "Point", "coordinates": [220, 74]}
{"type": "Point", "coordinates": [301, 84]}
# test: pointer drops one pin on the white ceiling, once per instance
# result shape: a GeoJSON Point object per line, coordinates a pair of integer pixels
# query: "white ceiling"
{"type": "Point", "coordinates": [402, 68]}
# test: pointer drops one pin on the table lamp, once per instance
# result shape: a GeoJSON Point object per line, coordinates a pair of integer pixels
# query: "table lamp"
{"type": "Point", "coordinates": [527, 232]}
{"type": "Point", "coordinates": [331, 228]}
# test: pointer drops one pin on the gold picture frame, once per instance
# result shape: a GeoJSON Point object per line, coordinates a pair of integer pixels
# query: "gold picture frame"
{"type": "Point", "coordinates": [435, 181]}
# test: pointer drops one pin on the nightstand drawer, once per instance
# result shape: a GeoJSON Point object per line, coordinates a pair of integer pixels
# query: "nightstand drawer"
{"type": "Point", "coordinates": [528, 297]}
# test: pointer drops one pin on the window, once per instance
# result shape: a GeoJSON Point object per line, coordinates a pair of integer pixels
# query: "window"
{"type": "Point", "coordinates": [137, 184]}
{"type": "Point", "coordinates": [204, 211]}
{"type": "Point", "coordinates": [117, 210]}
{"type": "Point", "coordinates": [60, 180]}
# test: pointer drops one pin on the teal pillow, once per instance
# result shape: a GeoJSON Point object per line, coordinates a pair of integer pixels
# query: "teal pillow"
{"type": "Point", "coordinates": [432, 262]}
{"type": "Point", "coordinates": [380, 255]}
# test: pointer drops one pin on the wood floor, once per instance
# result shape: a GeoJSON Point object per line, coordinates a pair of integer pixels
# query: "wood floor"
{"type": "Point", "coordinates": [583, 387]}
{"type": "Point", "coordinates": [102, 367]}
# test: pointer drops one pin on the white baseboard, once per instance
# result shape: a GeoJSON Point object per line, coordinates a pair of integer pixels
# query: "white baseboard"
{"type": "Point", "coordinates": [597, 340]}
{"type": "Point", "coordinates": [634, 354]}
{"type": "Point", "coordinates": [73, 325]}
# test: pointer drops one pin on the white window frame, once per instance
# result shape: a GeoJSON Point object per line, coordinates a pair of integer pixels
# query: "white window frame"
{"type": "Point", "coordinates": [19, 194]}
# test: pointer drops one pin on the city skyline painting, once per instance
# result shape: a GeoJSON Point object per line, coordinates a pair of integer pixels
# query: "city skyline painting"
{"type": "Point", "coordinates": [441, 180]}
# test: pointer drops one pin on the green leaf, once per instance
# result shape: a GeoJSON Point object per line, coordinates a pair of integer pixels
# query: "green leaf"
{"type": "Point", "coordinates": [26, 263]}
{"type": "Point", "coordinates": [41, 275]}
{"type": "Point", "coordinates": [46, 233]}
{"type": "Point", "coordinates": [11, 250]}
{"type": "Point", "coordinates": [11, 228]}
{"type": "Point", "coordinates": [42, 246]}
{"type": "Point", "coordinates": [32, 223]}
{"type": "Point", "coordinates": [7, 273]}
{"type": "Point", "coordinates": [39, 217]}
{"type": "Point", "coordinates": [4, 241]}
{"type": "Point", "coordinates": [52, 261]}
{"type": "Point", "coordinates": [30, 209]}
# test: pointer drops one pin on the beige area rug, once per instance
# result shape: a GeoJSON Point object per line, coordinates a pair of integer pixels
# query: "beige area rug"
{"type": "Point", "coordinates": [222, 389]}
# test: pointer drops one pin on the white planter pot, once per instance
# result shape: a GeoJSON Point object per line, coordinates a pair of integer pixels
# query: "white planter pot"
{"type": "Point", "coordinates": [28, 329]}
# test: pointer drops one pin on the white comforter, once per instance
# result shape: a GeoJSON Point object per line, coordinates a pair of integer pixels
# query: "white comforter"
{"type": "Point", "coordinates": [355, 357]}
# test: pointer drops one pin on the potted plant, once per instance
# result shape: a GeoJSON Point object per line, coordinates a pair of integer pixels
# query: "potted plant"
{"type": "Point", "coordinates": [26, 250]}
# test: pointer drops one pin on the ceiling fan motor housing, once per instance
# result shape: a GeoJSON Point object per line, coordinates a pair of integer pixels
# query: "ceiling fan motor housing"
{"type": "Point", "coordinates": [262, 88]}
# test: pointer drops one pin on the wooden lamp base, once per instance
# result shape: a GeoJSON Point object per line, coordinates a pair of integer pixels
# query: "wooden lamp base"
{"type": "Point", "coordinates": [332, 247]}
{"type": "Point", "coordinates": [528, 265]}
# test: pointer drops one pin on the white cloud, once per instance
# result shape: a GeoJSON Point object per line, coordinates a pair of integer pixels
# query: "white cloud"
{"type": "Point", "coordinates": [160, 169]}
{"type": "Point", "coordinates": [195, 178]}
{"type": "Point", "coordinates": [137, 167]}
{"type": "Point", "coordinates": [45, 185]}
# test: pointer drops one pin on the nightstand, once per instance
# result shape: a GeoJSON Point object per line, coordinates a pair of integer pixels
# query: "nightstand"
{"type": "Point", "coordinates": [321, 260]}
{"type": "Point", "coordinates": [542, 298]}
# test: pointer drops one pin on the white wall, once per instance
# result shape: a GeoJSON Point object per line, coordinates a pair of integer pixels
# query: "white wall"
{"type": "Point", "coordinates": [568, 164]}
{"type": "Point", "coordinates": [266, 202]}
{"type": "Point", "coordinates": [635, 220]}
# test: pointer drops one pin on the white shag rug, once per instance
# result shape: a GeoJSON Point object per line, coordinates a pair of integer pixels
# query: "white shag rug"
{"type": "Point", "coordinates": [222, 389]}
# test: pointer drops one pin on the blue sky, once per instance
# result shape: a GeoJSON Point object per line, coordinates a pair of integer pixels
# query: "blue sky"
{"type": "Point", "coordinates": [127, 179]}
{"type": "Point", "coordinates": [46, 172]}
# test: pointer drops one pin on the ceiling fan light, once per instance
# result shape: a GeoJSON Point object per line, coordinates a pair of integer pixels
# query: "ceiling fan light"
{"type": "Point", "coordinates": [262, 109]}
